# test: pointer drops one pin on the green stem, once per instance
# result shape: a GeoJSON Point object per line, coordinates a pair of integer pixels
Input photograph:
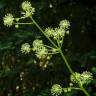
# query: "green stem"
{"type": "Point", "coordinates": [23, 23]}
{"type": "Point", "coordinates": [48, 46]}
{"type": "Point", "coordinates": [75, 88]}
{"type": "Point", "coordinates": [71, 71]}
{"type": "Point", "coordinates": [67, 64]}
{"type": "Point", "coordinates": [63, 57]}
{"type": "Point", "coordinates": [43, 33]}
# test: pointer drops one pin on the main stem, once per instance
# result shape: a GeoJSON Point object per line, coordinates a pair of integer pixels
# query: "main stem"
{"type": "Point", "coordinates": [44, 33]}
{"type": "Point", "coordinates": [63, 57]}
{"type": "Point", "coordinates": [71, 71]}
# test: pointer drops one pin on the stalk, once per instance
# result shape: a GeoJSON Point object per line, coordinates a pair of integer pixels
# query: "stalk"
{"type": "Point", "coordinates": [62, 55]}
{"type": "Point", "coordinates": [71, 71]}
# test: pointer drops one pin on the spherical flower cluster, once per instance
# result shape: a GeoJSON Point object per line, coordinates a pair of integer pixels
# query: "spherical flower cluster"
{"type": "Point", "coordinates": [59, 32]}
{"type": "Point", "coordinates": [87, 77]}
{"type": "Point", "coordinates": [65, 24]}
{"type": "Point", "coordinates": [56, 90]}
{"type": "Point", "coordinates": [25, 48]}
{"type": "Point", "coordinates": [39, 48]}
{"type": "Point", "coordinates": [27, 7]}
{"type": "Point", "coordinates": [84, 78]}
{"type": "Point", "coordinates": [8, 20]}
{"type": "Point", "coordinates": [37, 43]}
{"type": "Point", "coordinates": [49, 31]}
{"type": "Point", "coordinates": [77, 77]}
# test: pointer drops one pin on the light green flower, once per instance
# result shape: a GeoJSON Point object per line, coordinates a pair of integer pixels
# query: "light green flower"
{"type": "Point", "coordinates": [87, 77]}
{"type": "Point", "coordinates": [84, 78]}
{"type": "Point", "coordinates": [77, 77]}
{"type": "Point", "coordinates": [8, 20]}
{"type": "Point", "coordinates": [30, 12]}
{"type": "Point", "coordinates": [42, 52]}
{"type": "Point", "coordinates": [36, 44]}
{"type": "Point", "coordinates": [39, 48]}
{"type": "Point", "coordinates": [56, 90]}
{"type": "Point", "coordinates": [65, 24]}
{"type": "Point", "coordinates": [27, 7]}
{"type": "Point", "coordinates": [49, 31]}
{"type": "Point", "coordinates": [58, 33]}
{"type": "Point", "coordinates": [25, 48]}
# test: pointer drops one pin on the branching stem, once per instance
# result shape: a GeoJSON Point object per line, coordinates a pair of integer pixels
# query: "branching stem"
{"type": "Point", "coordinates": [62, 55]}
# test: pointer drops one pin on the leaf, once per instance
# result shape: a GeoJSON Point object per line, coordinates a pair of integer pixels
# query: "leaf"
{"type": "Point", "coordinates": [6, 46]}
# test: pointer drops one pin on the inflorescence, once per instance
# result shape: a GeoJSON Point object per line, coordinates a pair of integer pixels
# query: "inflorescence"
{"type": "Point", "coordinates": [56, 90]}
{"type": "Point", "coordinates": [25, 48]}
{"type": "Point", "coordinates": [59, 32]}
{"type": "Point", "coordinates": [28, 11]}
{"type": "Point", "coordinates": [39, 48]}
{"type": "Point", "coordinates": [84, 78]}
{"type": "Point", "coordinates": [8, 20]}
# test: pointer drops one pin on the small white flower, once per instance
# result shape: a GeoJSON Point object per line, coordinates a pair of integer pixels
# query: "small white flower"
{"type": "Point", "coordinates": [77, 77]}
{"type": "Point", "coordinates": [26, 5]}
{"type": "Point", "coordinates": [36, 44]}
{"type": "Point", "coordinates": [87, 77]}
{"type": "Point", "coordinates": [56, 90]}
{"type": "Point", "coordinates": [84, 78]}
{"type": "Point", "coordinates": [42, 53]}
{"type": "Point", "coordinates": [59, 33]}
{"type": "Point", "coordinates": [8, 20]}
{"type": "Point", "coordinates": [65, 24]}
{"type": "Point", "coordinates": [49, 31]}
{"type": "Point", "coordinates": [40, 49]}
{"type": "Point", "coordinates": [29, 12]}
{"type": "Point", "coordinates": [25, 48]}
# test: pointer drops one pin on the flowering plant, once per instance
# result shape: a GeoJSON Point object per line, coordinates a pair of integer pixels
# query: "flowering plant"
{"type": "Point", "coordinates": [55, 37]}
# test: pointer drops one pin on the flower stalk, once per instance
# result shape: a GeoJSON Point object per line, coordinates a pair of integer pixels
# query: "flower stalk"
{"type": "Point", "coordinates": [62, 55]}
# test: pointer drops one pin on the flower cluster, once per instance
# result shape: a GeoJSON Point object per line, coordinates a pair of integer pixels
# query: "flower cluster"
{"type": "Point", "coordinates": [77, 76]}
{"type": "Point", "coordinates": [59, 32]}
{"type": "Point", "coordinates": [64, 24]}
{"type": "Point", "coordinates": [25, 48]}
{"type": "Point", "coordinates": [56, 90]}
{"type": "Point", "coordinates": [8, 20]}
{"type": "Point", "coordinates": [87, 77]}
{"type": "Point", "coordinates": [84, 78]}
{"type": "Point", "coordinates": [39, 48]}
{"type": "Point", "coordinates": [49, 31]}
{"type": "Point", "coordinates": [27, 7]}
{"type": "Point", "coordinates": [43, 51]}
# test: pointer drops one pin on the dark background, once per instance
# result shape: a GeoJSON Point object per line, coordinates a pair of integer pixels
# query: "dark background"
{"type": "Point", "coordinates": [80, 46]}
